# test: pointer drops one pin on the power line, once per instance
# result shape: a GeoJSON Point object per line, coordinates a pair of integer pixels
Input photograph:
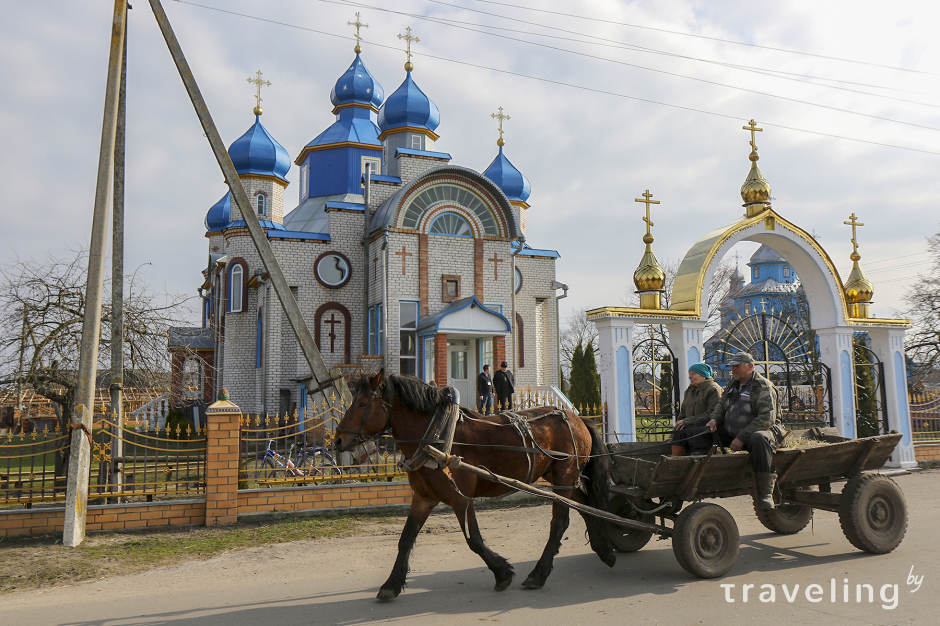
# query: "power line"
{"type": "Point", "coordinates": [634, 65]}
{"type": "Point", "coordinates": [561, 83]}
{"type": "Point", "coordinates": [674, 32]}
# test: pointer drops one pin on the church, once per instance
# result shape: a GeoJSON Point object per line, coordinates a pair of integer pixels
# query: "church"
{"type": "Point", "coordinates": [445, 283]}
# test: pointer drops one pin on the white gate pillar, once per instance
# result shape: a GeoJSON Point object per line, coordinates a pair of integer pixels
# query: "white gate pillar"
{"type": "Point", "coordinates": [685, 340]}
{"type": "Point", "coordinates": [615, 341]}
{"type": "Point", "coordinates": [888, 344]}
{"type": "Point", "coordinates": [836, 351]}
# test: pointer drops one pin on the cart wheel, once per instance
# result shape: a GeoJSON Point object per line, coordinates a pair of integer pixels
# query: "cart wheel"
{"type": "Point", "coordinates": [627, 539]}
{"type": "Point", "coordinates": [873, 513]}
{"type": "Point", "coordinates": [705, 540]}
{"type": "Point", "coordinates": [785, 519]}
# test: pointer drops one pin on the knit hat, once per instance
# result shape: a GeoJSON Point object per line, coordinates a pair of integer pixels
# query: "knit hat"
{"type": "Point", "coordinates": [702, 369]}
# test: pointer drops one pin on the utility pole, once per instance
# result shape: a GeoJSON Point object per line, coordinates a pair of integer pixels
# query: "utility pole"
{"type": "Point", "coordinates": [76, 498]}
{"type": "Point", "coordinates": [117, 291]}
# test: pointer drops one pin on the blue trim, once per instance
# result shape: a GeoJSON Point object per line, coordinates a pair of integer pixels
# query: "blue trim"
{"type": "Point", "coordinates": [549, 254]}
{"type": "Point", "coordinates": [294, 234]}
{"type": "Point", "coordinates": [432, 323]}
{"type": "Point", "coordinates": [382, 178]}
{"type": "Point", "coordinates": [422, 153]}
{"type": "Point", "coordinates": [264, 224]}
{"type": "Point", "coordinates": [624, 415]}
{"type": "Point", "coordinates": [355, 206]}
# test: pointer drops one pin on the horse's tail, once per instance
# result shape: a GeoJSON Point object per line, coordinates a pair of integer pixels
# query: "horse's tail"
{"type": "Point", "coordinates": [597, 470]}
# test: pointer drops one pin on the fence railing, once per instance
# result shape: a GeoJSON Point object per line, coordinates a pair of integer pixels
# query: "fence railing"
{"type": "Point", "coordinates": [925, 417]}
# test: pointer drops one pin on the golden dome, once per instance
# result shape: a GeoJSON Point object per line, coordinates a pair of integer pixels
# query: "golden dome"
{"type": "Point", "coordinates": [756, 189]}
{"type": "Point", "coordinates": [649, 276]}
{"type": "Point", "coordinates": [858, 289]}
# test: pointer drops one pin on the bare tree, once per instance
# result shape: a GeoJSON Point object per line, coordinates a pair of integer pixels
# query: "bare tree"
{"type": "Point", "coordinates": [41, 309]}
{"type": "Point", "coordinates": [578, 330]}
{"type": "Point", "coordinates": [922, 302]}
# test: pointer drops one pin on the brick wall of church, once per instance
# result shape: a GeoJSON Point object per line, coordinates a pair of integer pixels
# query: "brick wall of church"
{"type": "Point", "coordinates": [537, 276]}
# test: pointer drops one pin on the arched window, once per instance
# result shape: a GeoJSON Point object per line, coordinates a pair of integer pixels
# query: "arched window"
{"type": "Point", "coordinates": [237, 286]}
{"type": "Point", "coordinates": [452, 225]}
{"type": "Point", "coordinates": [262, 205]}
{"type": "Point", "coordinates": [450, 193]}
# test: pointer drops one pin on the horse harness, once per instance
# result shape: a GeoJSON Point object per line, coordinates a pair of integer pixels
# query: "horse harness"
{"type": "Point", "coordinates": [386, 404]}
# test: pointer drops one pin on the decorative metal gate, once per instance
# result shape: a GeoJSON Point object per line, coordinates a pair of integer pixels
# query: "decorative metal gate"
{"type": "Point", "coordinates": [788, 356]}
{"type": "Point", "coordinates": [656, 384]}
{"type": "Point", "coordinates": [870, 398]}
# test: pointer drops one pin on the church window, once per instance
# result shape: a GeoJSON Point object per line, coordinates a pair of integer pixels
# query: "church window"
{"type": "Point", "coordinates": [486, 354]}
{"type": "Point", "coordinates": [304, 170]}
{"type": "Point", "coordinates": [452, 225]}
{"type": "Point", "coordinates": [756, 272]}
{"type": "Point", "coordinates": [518, 281]}
{"type": "Point", "coordinates": [236, 287]}
{"type": "Point", "coordinates": [747, 307]}
{"type": "Point", "coordinates": [376, 330]}
{"type": "Point", "coordinates": [786, 271]}
{"type": "Point", "coordinates": [262, 201]}
{"type": "Point", "coordinates": [411, 214]}
{"type": "Point", "coordinates": [407, 326]}
{"type": "Point", "coordinates": [416, 142]}
{"type": "Point", "coordinates": [372, 164]}
{"type": "Point", "coordinates": [520, 338]}
{"type": "Point", "coordinates": [332, 270]}
{"type": "Point", "coordinates": [494, 306]}
{"type": "Point", "coordinates": [259, 343]}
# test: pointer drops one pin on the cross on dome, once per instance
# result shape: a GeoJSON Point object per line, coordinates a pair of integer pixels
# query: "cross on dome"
{"type": "Point", "coordinates": [853, 223]}
{"type": "Point", "coordinates": [752, 126]}
{"type": "Point", "coordinates": [646, 200]}
{"type": "Point", "coordinates": [257, 81]}
{"type": "Point", "coordinates": [358, 24]}
{"type": "Point", "coordinates": [500, 116]}
{"type": "Point", "coordinates": [408, 38]}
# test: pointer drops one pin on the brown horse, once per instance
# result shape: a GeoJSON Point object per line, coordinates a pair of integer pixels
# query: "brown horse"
{"type": "Point", "coordinates": [545, 443]}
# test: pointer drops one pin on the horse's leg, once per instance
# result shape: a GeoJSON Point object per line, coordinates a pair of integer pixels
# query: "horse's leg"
{"type": "Point", "coordinates": [418, 514]}
{"type": "Point", "coordinates": [543, 568]}
{"type": "Point", "coordinates": [500, 567]}
{"type": "Point", "coordinates": [596, 532]}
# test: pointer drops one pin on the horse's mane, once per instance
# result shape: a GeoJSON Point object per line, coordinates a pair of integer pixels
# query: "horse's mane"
{"type": "Point", "coordinates": [414, 394]}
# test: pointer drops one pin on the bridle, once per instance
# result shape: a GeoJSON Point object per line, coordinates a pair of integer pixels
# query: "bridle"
{"type": "Point", "coordinates": [359, 435]}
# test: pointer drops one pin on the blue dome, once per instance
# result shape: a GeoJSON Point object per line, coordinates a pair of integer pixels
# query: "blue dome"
{"type": "Point", "coordinates": [256, 152]}
{"type": "Point", "coordinates": [219, 215]}
{"type": "Point", "coordinates": [356, 85]}
{"type": "Point", "coordinates": [408, 106]}
{"type": "Point", "coordinates": [508, 178]}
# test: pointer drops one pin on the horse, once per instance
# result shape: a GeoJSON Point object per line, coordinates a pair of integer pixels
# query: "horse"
{"type": "Point", "coordinates": [540, 442]}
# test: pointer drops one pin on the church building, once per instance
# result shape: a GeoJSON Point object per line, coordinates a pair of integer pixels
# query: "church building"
{"type": "Point", "coordinates": [445, 283]}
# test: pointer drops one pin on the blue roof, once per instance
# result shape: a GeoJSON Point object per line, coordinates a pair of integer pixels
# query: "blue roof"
{"type": "Point", "coordinates": [353, 206]}
{"type": "Point", "coordinates": [385, 179]}
{"type": "Point", "coordinates": [349, 128]}
{"type": "Point", "coordinates": [264, 224]}
{"type": "Point", "coordinates": [219, 215]}
{"type": "Point", "coordinates": [409, 106]}
{"type": "Point", "coordinates": [510, 180]}
{"type": "Point", "coordinates": [528, 250]}
{"type": "Point", "coordinates": [357, 85]}
{"type": "Point", "coordinates": [432, 322]}
{"type": "Point", "coordinates": [422, 153]}
{"type": "Point", "coordinates": [294, 234]}
{"type": "Point", "coordinates": [256, 152]}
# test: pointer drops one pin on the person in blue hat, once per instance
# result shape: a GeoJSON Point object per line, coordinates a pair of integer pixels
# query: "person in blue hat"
{"type": "Point", "coordinates": [700, 399]}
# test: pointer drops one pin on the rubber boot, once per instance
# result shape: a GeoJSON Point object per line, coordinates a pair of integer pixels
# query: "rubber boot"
{"type": "Point", "coordinates": [679, 451]}
{"type": "Point", "coordinates": [765, 490]}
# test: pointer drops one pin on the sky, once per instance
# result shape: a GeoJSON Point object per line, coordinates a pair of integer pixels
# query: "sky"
{"type": "Point", "coordinates": [606, 99]}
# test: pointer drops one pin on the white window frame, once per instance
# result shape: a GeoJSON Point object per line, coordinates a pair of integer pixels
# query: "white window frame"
{"type": "Point", "coordinates": [234, 302]}
{"type": "Point", "coordinates": [786, 271]}
{"type": "Point", "coordinates": [417, 139]}
{"type": "Point", "coordinates": [304, 169]}
{"type": "Point", "coordinates": [261, 204]}
{"type": "Point", "coordinates": [374, 162]}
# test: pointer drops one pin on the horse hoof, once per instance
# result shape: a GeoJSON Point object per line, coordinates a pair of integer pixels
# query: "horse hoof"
{"type": "Point", "coordinates": [532, 583]}
{"type": "Point", "coordinates": [387, 594]}
{"type": "Point", "coordinates": [503, 585]}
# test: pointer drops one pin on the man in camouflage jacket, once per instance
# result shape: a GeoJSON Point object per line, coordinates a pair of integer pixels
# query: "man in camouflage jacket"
{"type": "Point", "coordinates": [747, 418]}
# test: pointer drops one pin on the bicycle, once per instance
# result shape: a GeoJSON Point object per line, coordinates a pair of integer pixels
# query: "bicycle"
{"type": "Point", "coordinates": [271, 465]}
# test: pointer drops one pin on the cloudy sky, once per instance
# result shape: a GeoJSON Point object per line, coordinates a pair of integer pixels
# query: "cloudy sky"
{"type": "Point", "coordinates": [607, 98]}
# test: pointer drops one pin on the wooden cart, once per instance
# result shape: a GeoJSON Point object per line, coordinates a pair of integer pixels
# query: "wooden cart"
{"type": "Point", "coordinates": [652, 487]}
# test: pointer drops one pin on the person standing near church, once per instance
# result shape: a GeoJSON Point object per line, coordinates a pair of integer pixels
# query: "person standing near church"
{"type": "Point", "coordinates": [505, 384]}
{"type": "Point", "coordinates": [485, 391]}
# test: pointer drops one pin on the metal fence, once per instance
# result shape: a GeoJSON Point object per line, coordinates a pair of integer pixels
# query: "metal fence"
{"type": "Point", "coordinates": [925, 417]}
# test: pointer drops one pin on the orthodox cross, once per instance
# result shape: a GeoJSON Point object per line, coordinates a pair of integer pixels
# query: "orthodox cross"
{"type": "Point", "coordinates": [500, 116]}
{"type": "Point", "coordinates": [332, 322]}
{"type": "Point", "coordinates": [257, 81]}
{"type": "Point", "coordinates": [404, 258]}
{"type": "Point", "coordinates": [496, 261]}
{"type": "Point", "coordinates": [752, 126]}
{"type": "Point", "coordinates": [408, 39]}
{"type": "Point", "coordinates": [763, 305]}
{"type": "Point", "coordinates": [646, 200]}
{"type": "Point", "coordinates": [853, 224]}
{"type": "Point", "coordinates": [358, 24]}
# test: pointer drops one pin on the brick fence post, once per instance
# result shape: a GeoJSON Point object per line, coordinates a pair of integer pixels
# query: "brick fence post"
{"type": "Point", "coordinates": [222, 455]}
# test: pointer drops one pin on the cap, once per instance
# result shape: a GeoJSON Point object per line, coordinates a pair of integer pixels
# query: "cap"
{"type": "Point", "coordinates": [504, 364]}
{"type": "Point", "coordinates": [741, 357]}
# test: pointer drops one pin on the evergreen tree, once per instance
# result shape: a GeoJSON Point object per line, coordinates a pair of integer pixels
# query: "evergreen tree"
{"type": "Point", "coordinates": [868, 418]}
{"type": "Point", "coordinates": [665, 390]}
{"type": "Point", "coordinates": [585, 382]}
{"type": "Point", "coordinates": [576, 376]}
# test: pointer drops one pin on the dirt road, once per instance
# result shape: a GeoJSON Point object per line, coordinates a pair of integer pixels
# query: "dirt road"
{"type": "Point", "coordinates": [335, 581]}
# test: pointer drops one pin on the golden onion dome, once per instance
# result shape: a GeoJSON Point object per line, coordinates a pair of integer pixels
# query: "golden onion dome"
{"type": "Point", "coordinates": [649, 276]}
{"type": "Point", "coordinates": [756, 188]}
{"type": "Point", "coordinates": [858, 289]}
